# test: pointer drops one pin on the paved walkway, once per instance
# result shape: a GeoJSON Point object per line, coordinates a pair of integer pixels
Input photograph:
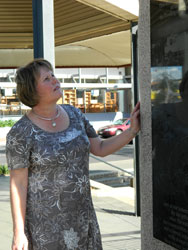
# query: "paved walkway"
{"type": "Point", "coordinates": [5, 215]}
{"type": "Point", "coordinates": [120, 229]}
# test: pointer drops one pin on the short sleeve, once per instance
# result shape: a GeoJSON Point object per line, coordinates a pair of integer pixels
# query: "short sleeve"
{"type": "Point", "coordinates": [90, 131]}
{"type": "Point", "coordinates": [17, 149]}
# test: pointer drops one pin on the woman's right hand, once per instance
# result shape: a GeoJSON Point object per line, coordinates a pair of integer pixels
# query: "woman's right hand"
{"type": "Point", "coordinates": [20, 242]}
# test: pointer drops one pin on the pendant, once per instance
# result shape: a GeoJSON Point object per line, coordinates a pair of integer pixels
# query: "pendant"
{"type": "Point", "coordinates": [53, 124]}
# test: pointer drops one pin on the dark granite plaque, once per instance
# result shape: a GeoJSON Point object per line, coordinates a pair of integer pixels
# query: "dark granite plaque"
{"type": "Point", "coordinates": [169, 94]}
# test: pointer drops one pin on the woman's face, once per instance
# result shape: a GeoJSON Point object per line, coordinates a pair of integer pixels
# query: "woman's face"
{"type": "Point", "coordinates": [48, 87]}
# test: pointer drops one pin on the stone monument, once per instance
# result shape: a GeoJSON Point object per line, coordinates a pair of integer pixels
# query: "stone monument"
{"type": "Point", "coordinates": [163, 77]}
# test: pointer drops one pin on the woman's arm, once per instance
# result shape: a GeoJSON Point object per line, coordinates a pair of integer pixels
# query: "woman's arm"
{"type": "Point", "coordinates": [18, 196]}
{"type": "Point", "coordinates": [105, 147]}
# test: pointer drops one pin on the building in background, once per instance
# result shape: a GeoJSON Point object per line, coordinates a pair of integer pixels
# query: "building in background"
{"type": "Point", "coordinates": [92, 90]}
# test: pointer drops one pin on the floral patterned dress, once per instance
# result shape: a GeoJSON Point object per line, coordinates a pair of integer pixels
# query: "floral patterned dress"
{"type": "Point", "coordinates": [60, 213]}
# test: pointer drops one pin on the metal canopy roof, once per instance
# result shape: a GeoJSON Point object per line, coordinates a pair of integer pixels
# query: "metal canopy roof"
{"type": "Point", "coordinates": [95, 29]}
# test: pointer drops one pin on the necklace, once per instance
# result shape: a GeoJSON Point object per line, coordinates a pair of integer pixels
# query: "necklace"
{"type": "Point", "coordinates": [49, 119]}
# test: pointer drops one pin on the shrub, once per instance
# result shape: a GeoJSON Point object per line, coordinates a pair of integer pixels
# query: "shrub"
{"type": "Point", "coordinates": [7, 123]}
{"type": "Point", "coordinates": [4, 170]}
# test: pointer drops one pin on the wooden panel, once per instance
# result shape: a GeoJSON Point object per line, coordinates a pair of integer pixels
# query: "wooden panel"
{"type": "Point", "coordinates": [16, 16]}
{"type": "Point", "coordinates": [72, 17]}
{"type": "Point", "coordinates": [14, 45]}
{"type": "Point", "coordinates": [16, 39]}
{"type": "Point", "coordinates": [62, 38]}
{"type": "Point", "coordinates": [86, 24]}
{"type": "Point", "coordinates": [16, 28]}
{"type": "Point", "coordinates": [169, 1]}
{"type": "Point", "coordinates": [14, 35]}
{"type": "Point", "coordinates": [11, 2]}
{"type": "Point", "coordinates": [72, 8]}
{"type": "Point", "coordinates": [69, 96]}
{"type": "Point", "coordinates": [74, 21]}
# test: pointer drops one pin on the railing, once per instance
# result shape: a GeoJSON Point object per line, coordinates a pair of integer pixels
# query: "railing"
{"type": "Point", "coordinates": [112, 165]}
{"type": "Point", "coordinates": [13, 110]}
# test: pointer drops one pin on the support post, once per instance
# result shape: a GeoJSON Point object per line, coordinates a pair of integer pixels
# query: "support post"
{"type": "Point", "coordinates": [43, 29]}
{"type": "Point", "coordinates": [134, 29]}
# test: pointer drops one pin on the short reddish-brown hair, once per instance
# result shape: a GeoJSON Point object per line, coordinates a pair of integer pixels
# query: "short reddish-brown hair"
{"type": "Point", "coordinates": [26, 80]}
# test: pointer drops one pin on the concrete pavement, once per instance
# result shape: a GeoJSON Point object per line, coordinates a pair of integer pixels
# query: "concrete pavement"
{"type": "Point", "coordinates": [120, 229]}
{"type": "Point", "coordinates": [5, 215]}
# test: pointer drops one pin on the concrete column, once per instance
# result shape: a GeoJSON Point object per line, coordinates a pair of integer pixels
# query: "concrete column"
{"type": "Point", "coordinates": [43, 29]}
{"type": "Point", "coordinates": [144, 75]}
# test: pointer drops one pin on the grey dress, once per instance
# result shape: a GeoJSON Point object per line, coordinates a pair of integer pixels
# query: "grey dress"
{"type": "Point", "coordinates": [60, 213]}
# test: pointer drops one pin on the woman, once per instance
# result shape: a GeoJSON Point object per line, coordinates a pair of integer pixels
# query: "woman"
{"type": "Point", "coordinates": [48, 157]}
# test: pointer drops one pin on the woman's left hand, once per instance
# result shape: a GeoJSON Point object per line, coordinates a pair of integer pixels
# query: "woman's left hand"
{"type": "Point", "coordinates": [135, 120]}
